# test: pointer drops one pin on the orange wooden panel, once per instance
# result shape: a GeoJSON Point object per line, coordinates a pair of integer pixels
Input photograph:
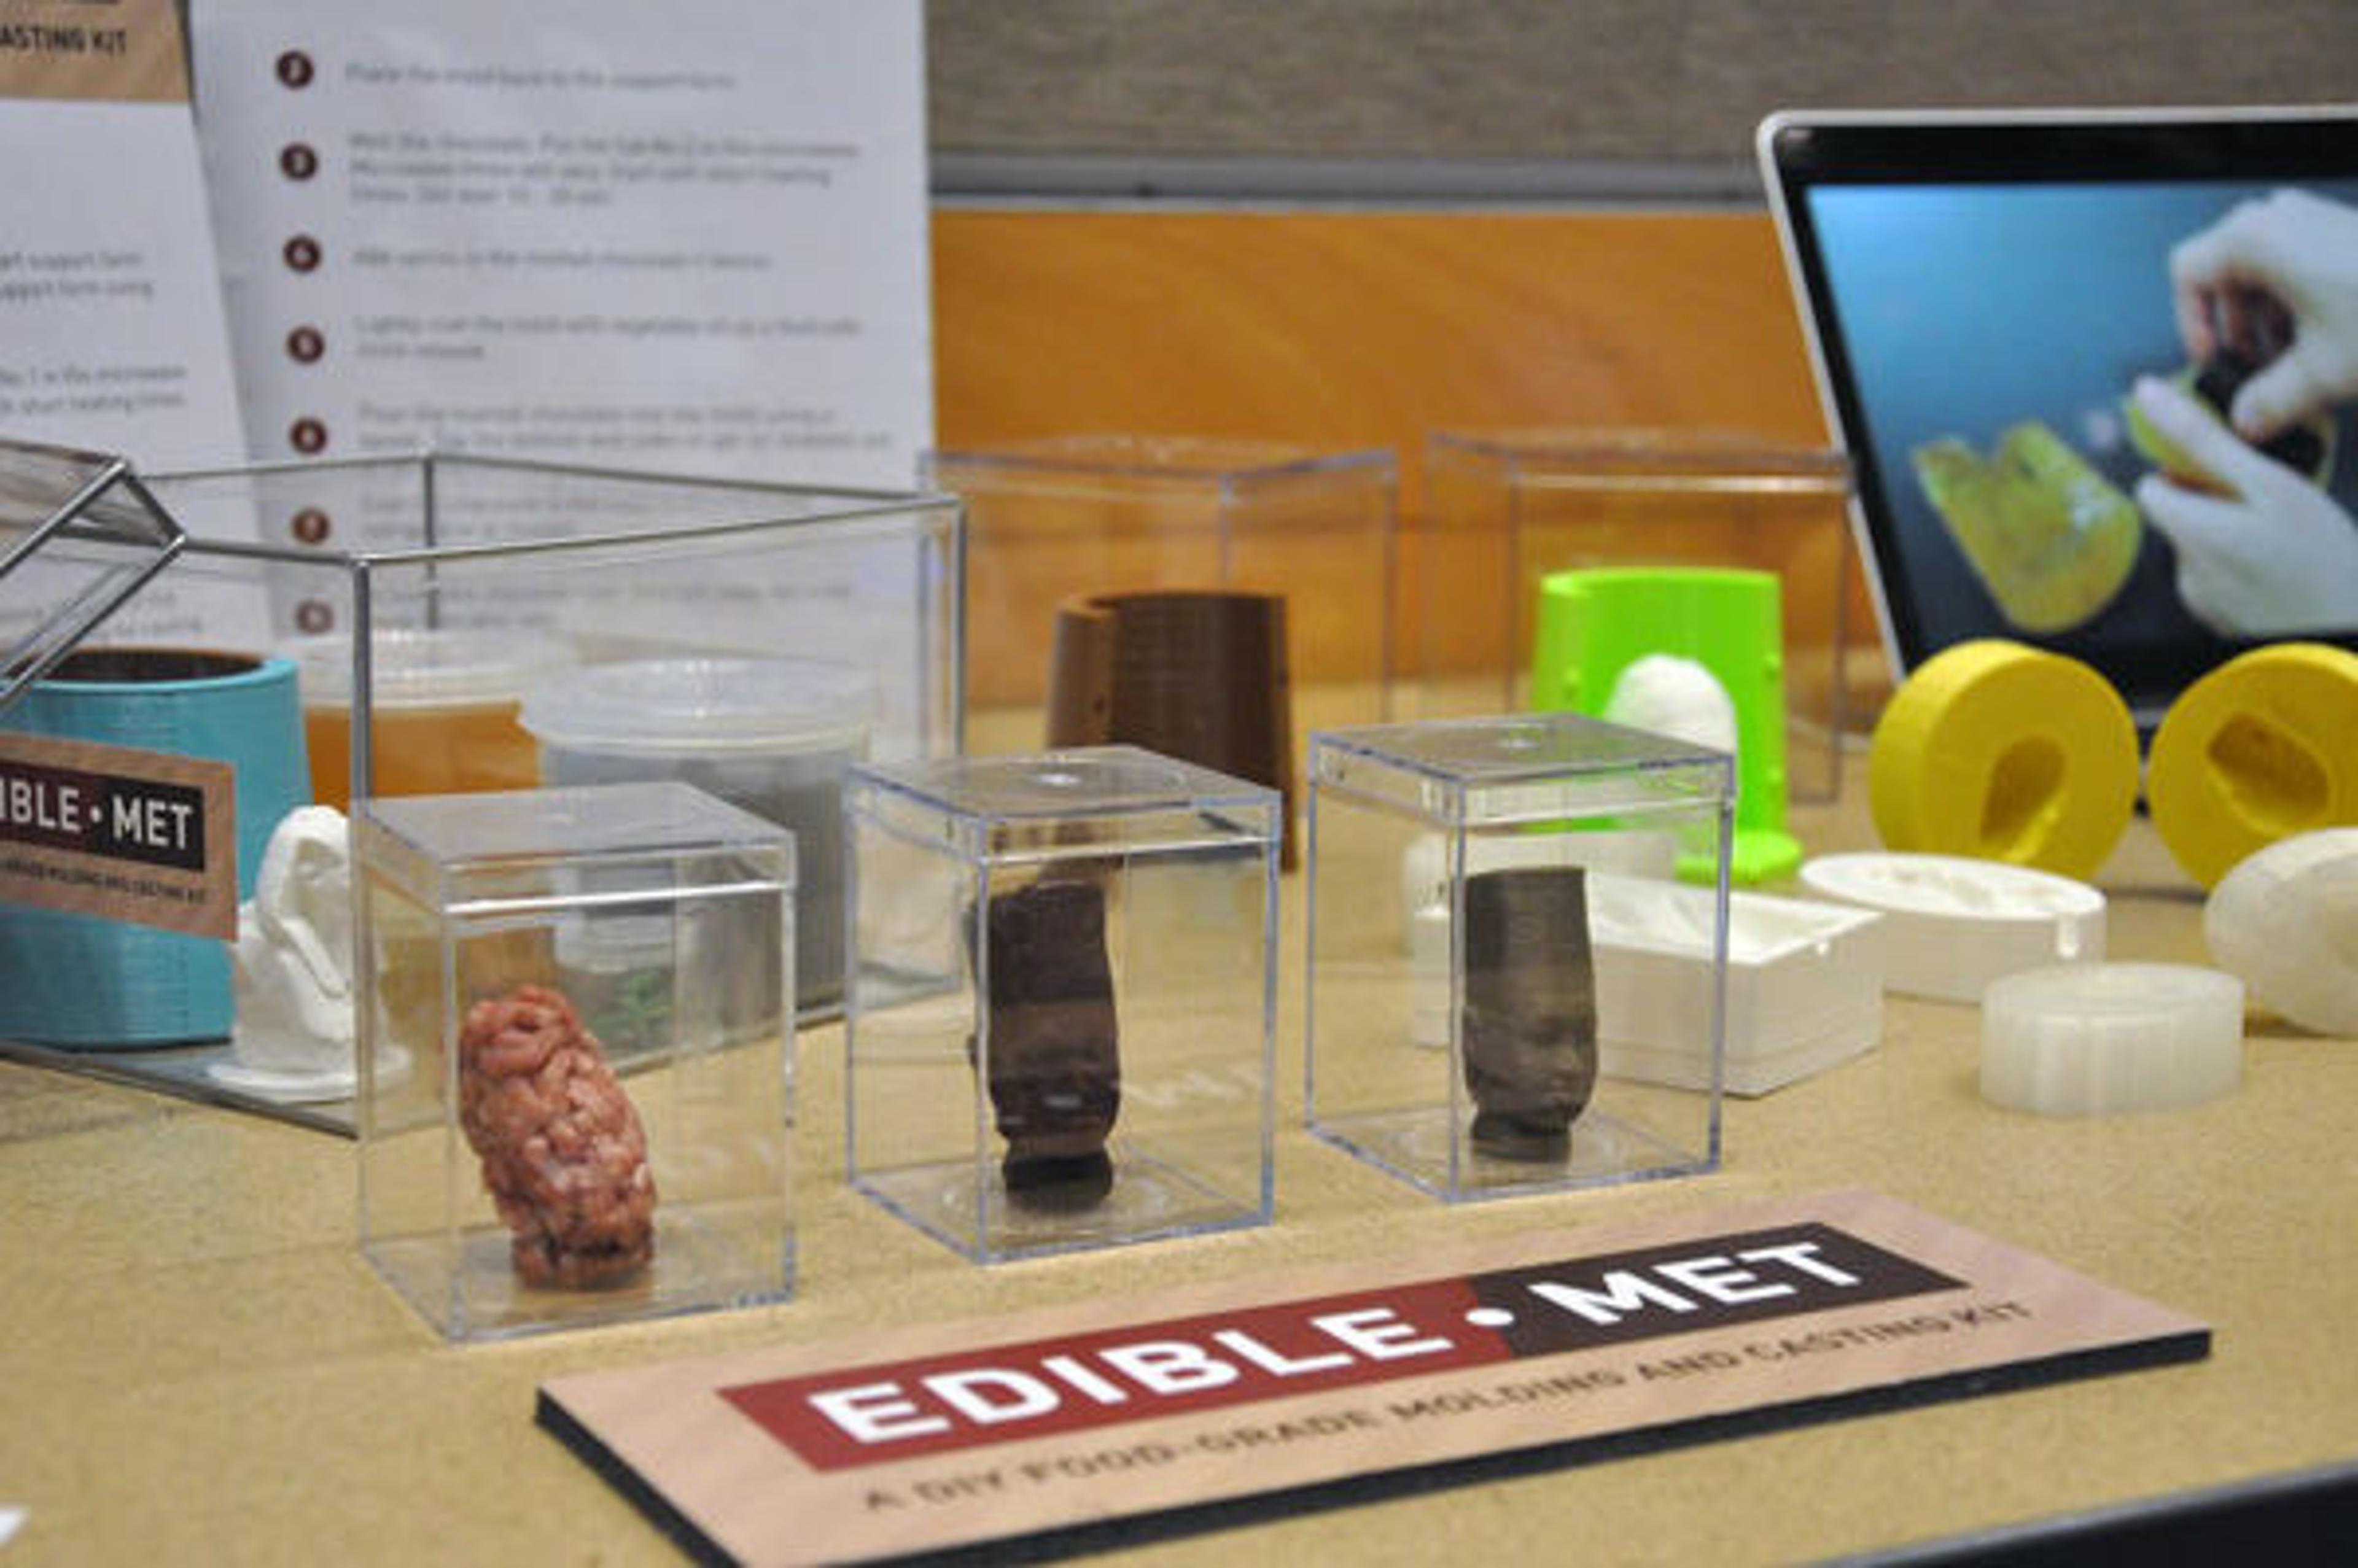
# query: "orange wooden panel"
{"type": "Point", "coordinates": [1337, 330]}
{"type": "Point", "coordinates": [1344, 329]}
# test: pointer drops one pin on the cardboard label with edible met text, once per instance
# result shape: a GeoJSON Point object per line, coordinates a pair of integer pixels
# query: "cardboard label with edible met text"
{"type": "Point", "coordinates": [955, 1433]}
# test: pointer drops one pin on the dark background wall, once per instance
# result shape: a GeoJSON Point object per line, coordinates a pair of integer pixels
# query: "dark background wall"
{"type": "Point", "coordinates": [1544, 97]}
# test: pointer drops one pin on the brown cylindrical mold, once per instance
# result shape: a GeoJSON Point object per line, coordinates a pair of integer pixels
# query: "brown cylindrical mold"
{"type": "Point", "coordinates": [1201, 675]}
{"type": "Point", "coordinates": [1529, 1025]}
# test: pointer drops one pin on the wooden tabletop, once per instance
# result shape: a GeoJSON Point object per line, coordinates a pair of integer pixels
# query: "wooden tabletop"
{"type": "Point", "coordinates": [198, 1366]}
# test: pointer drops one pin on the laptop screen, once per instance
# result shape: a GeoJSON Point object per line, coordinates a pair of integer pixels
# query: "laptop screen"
{"type": "Point", "coordinates": [1985, 294]}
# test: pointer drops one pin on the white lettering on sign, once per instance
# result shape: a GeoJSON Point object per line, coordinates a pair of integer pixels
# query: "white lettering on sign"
{"type": "Point", "coordinates": [1114, 1374]}
{"type": "Point", "coordinates": [1087, 1381]}
{"type": "Point", "coordinates": [52, 807]}
{"type": "Point", "coordinates": [1621, 1292]}
{"type": "Point", "coordinates": [1713, 1277]}
{"type": "Point", "coordinates": [1022, 1390]}
{"type": "Point", "coordinates": [877, 1412]}
{"type": "Point", "coordinates": [1274, 1361]}
{"type": "Point", "coordinates": [1802, 1256]}
{"type": "Point", "coordinates": [1169, 1365]}
{"type": "Point", "coordinates": [160, 824]}
{"type": "Point", "coordinates": [1722, 1281]}
{"type": "Point", "coordinates": [142, 837]}
{"type": "Point", "coordinates": [1378, 1335]}
{"type": "Point", "coordinates": [988, 1395]}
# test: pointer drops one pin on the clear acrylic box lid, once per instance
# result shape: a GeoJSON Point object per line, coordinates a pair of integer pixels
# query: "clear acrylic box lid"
{"type": "Point", "coordinates": [1088, 799]}
{"type": "Point", "coordinates": [441, 846]}
{"type": "Point", "coordinates": [1175, 459]}
{"type": "Point", "coordinates": [79, 535]}
{"type": "Point", "coordinates": [1672, 458]}
{"type": "Point", "coordinates": [1521, 767]}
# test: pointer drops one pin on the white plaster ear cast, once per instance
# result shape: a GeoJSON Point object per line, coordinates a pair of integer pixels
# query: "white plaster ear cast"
{"type": "Point", "coordinates": [2284, 920]}
{"type": "Point", "coordinates": [1671, 696]}
{"type": "Point", "coordinates": [291, 970]}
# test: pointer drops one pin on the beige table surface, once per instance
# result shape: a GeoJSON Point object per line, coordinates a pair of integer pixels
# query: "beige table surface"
{"type": "Point", "coordinates": [197, 1367]}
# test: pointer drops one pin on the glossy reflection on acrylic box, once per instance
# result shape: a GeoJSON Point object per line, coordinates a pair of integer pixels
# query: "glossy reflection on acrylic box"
{"type": "Point", "coordinates": [430, 606]}
{"type": "Point", "coordinates": [1517, 505]}
{"type": "Point", "coordinates": [1463, 971]}
{"type": "Point", "coordinates": [1062, 998]}
{"type": "Point", "coordinates": [544, 1146]}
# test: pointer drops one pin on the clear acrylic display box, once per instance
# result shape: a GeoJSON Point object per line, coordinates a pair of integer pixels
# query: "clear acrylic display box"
{"type": "Point", "coordinates": [1062, 998]}
{"type": "Point", "coordinates": [1055, 520]}
{"type": "Point", "coordinates": [549, 1140]}
{"type": "Point", "coordinates": [1506, 508]}
{"type": "Point", "coordinates": [1460, 961]}
{"type": "Point", "coordinates": [79, 535]}
{"type": "Point", "coordinates": [425, 601]}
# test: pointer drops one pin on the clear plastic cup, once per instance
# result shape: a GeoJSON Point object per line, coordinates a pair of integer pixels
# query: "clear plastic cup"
{"type": "Point", "coordinates": [442, 708]}
{"type": "Point", "coordinates": [771, 736]}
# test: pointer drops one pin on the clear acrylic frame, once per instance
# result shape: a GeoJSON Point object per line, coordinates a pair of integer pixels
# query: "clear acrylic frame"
{"type": "Point", "coordinates": [1504, 509]}
{"type": "Point", "coordinates": [1460, 959]}
{"type": "Point", "coordinates": [1063, 517]}
{"type": "Point", "coordinates": [1062, 999]}
{"type": "Point", "coordinates": [422, 595]}
{"type": "Point", "coordinates": [549, 1140]}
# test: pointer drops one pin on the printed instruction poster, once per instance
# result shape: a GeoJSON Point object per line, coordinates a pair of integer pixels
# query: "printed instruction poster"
{"type": "Point", "coordinates": [112, 334]}
{"type": "Point", "coordinates": [110, 310]}
{"type": "Point", "coordinates": [683, 238]}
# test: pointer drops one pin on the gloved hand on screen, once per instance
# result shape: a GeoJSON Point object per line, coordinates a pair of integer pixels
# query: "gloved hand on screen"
{"type": "Point", "coordinates": [2266, 554]}
{"type": "Point", "coordinates": [2275, 282]}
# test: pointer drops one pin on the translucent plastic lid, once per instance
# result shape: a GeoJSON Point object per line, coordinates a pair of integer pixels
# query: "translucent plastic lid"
{"type": "Point", "coordinates": [1667, 456]}
{"type": "Point", "coordinates": [2094, 1039]}
{"type": "Point", "coordinates": [1950, 886]}
{"type": "Point", "coordinates": [417, 667]}
{"type": "Point", "coordinates": [688, 705]}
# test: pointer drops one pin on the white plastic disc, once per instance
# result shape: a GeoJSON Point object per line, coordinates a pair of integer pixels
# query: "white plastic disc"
{"type": "Point", "coordinates": [2284, 921]}
{"type": "Point", "coordinates": [2094, 1039]}
{"type": "Point", "coordinates": [1951, 925]}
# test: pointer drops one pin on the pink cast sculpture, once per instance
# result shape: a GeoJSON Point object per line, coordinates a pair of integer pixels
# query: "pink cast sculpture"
{"type": "Point", "coordinates": [563, 1152]}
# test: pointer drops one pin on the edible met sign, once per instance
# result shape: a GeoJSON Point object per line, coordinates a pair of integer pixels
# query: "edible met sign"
{"type": "Point", "coordinates": [145, 837]}
{"type": "Point", "coordinates": [952, 1435]}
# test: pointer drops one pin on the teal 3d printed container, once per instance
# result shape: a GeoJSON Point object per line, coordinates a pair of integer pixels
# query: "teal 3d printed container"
{"type": "Point", "coordinates": [85, 981]}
